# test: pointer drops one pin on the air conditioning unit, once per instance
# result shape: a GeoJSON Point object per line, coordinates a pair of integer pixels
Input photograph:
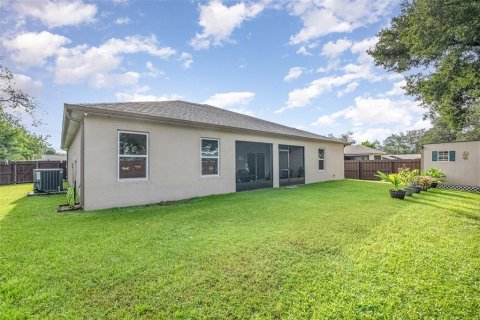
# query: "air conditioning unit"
{"type": "Point", "coordinates": [47, 180]}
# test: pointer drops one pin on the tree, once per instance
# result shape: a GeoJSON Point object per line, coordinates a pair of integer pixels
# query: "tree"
{"type": "Point", "coordinates": [440, 132]}
{"type": "Point", "coordinates": [14, 100]}
{"type": "Point", "coordinates": [436, 45]}
{"type": "Point", "coordinates": [375, 144]}
{"type": "Point", "coordinates": [404, 143]}
{"type": "Point", "coordinates": [347, 136]}
{"type": "Point", "coordinates": [16, 143]}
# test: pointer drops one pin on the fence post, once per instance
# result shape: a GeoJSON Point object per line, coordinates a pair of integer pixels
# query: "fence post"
{"type": "Point", "coordinates": [359, 170]}
{"type": "Point", "coordinates": [391, 167]}
{"type": "Point", "coordinates": [15, 173]}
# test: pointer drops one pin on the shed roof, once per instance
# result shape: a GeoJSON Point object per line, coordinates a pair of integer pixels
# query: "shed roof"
{"type": "Point", "coordinates": [190, 113]}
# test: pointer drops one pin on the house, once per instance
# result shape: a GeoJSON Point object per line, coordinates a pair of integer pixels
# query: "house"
{"type": "Point", "coordinates": [409, 156]}
{"type": "Point", "coordinates": [124, 154]}
{"type": "Point", "coordinates": [361, 152]}
{"type": "Point", "coordinates": [53, 157]}
{"type": "Point", "coordinates": [459, 160]}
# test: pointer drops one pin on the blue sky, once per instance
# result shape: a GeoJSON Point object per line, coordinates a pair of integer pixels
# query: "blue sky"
{"type": "Point", "coordinates": [299, 63]}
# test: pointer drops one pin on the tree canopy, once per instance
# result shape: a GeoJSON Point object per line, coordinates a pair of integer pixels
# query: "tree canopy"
{"type": "Point", "coordinates": [16, 142]}
{"type": "Point", "coordinates": [436, 45]}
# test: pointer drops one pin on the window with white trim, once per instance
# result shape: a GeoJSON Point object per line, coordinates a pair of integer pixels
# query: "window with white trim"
{"type": "Point", "coordinates": [210, 156]}
{"type": "Point", "coordinates": [321, 159]}
{"type": "Point", "coordinates": [442, 155]}
{"type": "Point", "coordinates": [132, 155]}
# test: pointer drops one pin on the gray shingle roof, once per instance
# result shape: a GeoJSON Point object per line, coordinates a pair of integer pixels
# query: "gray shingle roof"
{"type": "Point", "coordinates": [199, 114]}
{"type": "Point", "coordinates": [360, 149]}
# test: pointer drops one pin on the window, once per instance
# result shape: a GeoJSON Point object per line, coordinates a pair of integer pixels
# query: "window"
{"type": "Point", "coordinates": [132, 155]}
{"type": "Point", "coordinates": [210, 154]}
{"type": "Point", "coordinates": [321, 159]}
{"type": "Point", "coordinates": [442, 155]}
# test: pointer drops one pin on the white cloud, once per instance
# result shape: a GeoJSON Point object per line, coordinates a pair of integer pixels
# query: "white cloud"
{"type": "Point", "coordinates": [371, 134]}
{"type": "Point", "coordinates": [186, 59]}
{"type": "Point", "coordinates": [32, 48]}
{"type": "Point", "coordinates": [294, 73]}
{"type": "Point", "coordinates": [381, 111]}
{"type": "Point", "coordinates": [300, 97]}
{"type": "Point", "coordinates": [317, 23]}
{"type": "Point", "coordinates": [304, 51]}
{"type": "Point", "coordinates": [328, 120]}
{"type": "Point", "coordinates": [27, 84]}
{"type": "Point", "coordinates": [219, 21]}
{"type": "Point", "coordinates": [421, 124]}
{"type": "Point", "coordinates": [325, 120]}
{"type": "Point", "coordinates": [122, 20]}
{"type": "Point", "coordinates": [348, 89]}
{"type": "Point", "coordinates": [56, 13]}
{"type": "Point", "coordinates": [233, 101]}
{"type": "Point", "coordinates": [397, 88]}
{"type": "Point", "coordinates": [81, 63]}
{"type": "Point", "coordinates": [152, 71]}
{"type": "Point", "coordinates": [336, 16]}
{"type": "Point", "coordinates": [332, 65]}
{"type": "Point", "coordinates": [375, 111]}
{"type": "Point", "coordinates": [139, 97]}
{"type": "Point", "coordinates": [361, 47]}
{"type": "Point", "coordinates": [334, 49]}
{"type": "Point", "coordinates": [101, 80]}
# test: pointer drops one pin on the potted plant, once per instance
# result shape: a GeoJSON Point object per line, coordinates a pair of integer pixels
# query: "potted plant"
{"type": "Point", "coordinates": [72, 201]}
{"type": "Point", "coordinates": [425, 182]}
{"type": "Point", "coordinates": [407, 178]}
{"type": "Point", "coordinates": [396, 181]}
{"type": "Point", "coordinates": [415, 181]}
{"type": "Point", "coordinates": [437, 176]}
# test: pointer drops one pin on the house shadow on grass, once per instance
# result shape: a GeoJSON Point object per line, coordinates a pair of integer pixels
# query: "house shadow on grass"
{"type": "Point", "coordinates": [435, 200]}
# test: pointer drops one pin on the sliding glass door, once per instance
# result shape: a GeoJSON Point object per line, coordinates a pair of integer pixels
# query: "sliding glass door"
{"type": "Point", "coordinates": [253, 165]}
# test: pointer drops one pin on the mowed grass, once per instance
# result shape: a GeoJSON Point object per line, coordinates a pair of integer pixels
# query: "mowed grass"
{"type": "Point", "coordinates": [339, 249]}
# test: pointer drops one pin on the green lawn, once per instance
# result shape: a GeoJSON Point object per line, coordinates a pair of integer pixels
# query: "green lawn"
{"type": "Point", "coordinates": [339, 249]}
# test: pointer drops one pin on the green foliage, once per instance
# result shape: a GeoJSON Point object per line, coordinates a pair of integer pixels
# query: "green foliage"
{"type": "Point", "coordinates": [404, 143]}
{"type": "Point", "coordinates": [436, 45]}
{"type": "Point", "coordinates": [72, 196]}
{"type": "Point", "coordinates": [375, 144]}
{"type": "Point", "coordinates": [347, 136]}
{"type": "Point", "coordinates": [406, 175]}
{"type": "Point", "coordinates": [437, 175]}
{"type": "Point", "coordinates": [14, 101]}
{"type": "Point", "coordinates": [393, 178]}
{"type": "Point", "coordinates": [336, 250]}
{"type": "Point", "coordinates": [16, 143]}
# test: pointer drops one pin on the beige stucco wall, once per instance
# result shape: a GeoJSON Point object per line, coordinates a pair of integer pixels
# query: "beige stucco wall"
{"type": "Point", "coordinates": [174, 162]}
{"type": "Point", "coordinates": [462, 172]}
{"type": "Point", "coordinates": [74, 158]}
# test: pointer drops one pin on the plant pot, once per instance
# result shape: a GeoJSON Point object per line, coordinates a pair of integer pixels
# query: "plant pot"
{"type": "Point", "coordinates": [434, 184]}
{"type": "Point", "coordinates": [416, 189]}
{"type": "Point", "coordinates": [397, 194]}
{"type": "Point", "coordinates": [409, 191]}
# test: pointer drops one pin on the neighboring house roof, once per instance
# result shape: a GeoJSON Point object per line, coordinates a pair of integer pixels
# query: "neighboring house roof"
{"type": "Point", "coordinates": [182, 112]}
{"type": "Point", "coordinates": [411, 156]}
{"type": "Point", "coordinates": [53, 157]}
{"type": "Point", "coordinates": [360, 150]}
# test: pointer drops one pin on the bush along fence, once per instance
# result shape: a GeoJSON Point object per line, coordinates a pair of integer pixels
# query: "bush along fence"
{"type": "Point", "coordinates": [22, 171]}
{"type": "Point", "coordinates": [367, 169]}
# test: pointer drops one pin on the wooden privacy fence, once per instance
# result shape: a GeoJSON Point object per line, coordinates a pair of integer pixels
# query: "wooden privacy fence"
{"type": "Point", "coordinates": [366, 169]}
{"type": "Point", "coordinates": [22, 171]}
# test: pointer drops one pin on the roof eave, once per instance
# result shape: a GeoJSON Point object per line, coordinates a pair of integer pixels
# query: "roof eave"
{"type": "Point", "coordinates": [90, 109]}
